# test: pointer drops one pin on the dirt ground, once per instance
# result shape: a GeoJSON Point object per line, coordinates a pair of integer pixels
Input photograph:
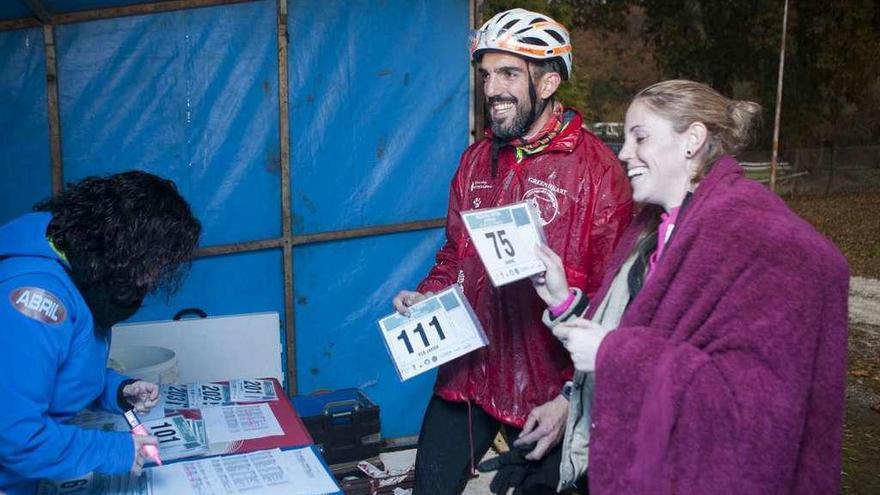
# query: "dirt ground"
{"type": "Point", "coordinates": [861, 433]}
{"type": "Point", "coordinates": [852, 221]}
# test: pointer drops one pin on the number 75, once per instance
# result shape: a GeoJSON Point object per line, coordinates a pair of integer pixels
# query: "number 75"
{"type": "Point", "coordinates": [498, 237]}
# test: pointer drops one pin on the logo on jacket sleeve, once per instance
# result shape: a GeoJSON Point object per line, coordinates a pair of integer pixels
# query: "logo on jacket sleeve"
{"type": "Point", "coordinates": [38, 304]}
{"type": "Point", "coordinates": [544, 202]}
{"type": "Point", "coordinates": [480, 184]}
{"type": "Point", "coordinates": [544, 199]}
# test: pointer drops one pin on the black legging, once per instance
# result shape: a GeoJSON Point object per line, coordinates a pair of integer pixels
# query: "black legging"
{"type": "Point", "coordinates": [443, 457]}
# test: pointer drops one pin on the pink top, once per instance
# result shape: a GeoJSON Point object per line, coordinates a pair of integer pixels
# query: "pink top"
{"type": "Point", "coordinates": [664, 231]}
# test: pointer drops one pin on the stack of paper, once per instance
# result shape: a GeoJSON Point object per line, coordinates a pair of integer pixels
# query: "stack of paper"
{"type": "Point", "coordinates": [267, 472]}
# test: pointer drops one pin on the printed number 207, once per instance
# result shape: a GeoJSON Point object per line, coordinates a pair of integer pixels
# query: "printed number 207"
{"type": "Point", "coordinates": [421, 331]}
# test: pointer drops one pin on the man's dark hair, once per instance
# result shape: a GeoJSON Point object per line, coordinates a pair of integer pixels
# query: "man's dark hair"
{"type": "Point", "coordinates": [125, 235]}
{"type": "Point", "coordinates": [539, 67]}
{"type": "Point", "coordinates": [545, 66]}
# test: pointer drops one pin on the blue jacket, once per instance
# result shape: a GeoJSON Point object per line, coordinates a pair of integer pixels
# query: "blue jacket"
{"type": "Point", "coordinates": [52, 365]}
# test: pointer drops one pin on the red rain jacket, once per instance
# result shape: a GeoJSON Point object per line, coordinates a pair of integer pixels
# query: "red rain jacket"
{"type": "Point", "coordinates": [585, 203]}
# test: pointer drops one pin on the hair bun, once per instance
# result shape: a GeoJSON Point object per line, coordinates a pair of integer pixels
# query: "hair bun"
{"type": "Point", "coordinates": [744, 116]}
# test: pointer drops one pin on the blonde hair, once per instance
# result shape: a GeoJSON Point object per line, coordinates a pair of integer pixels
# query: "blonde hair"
{"type": "Point", "coordinates": [730, 123]}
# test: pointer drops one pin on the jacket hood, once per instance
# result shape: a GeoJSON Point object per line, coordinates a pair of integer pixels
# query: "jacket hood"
{"type": "Point", "coordinates": [26, 236]}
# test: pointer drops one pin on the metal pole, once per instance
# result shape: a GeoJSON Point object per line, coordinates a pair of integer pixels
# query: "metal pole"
{"type": "Point", "coordinates": [477, 118]}
{"type": "Point", "coordinates": [286, 222]}
{"type": "Point", "coordinates": [25, 23]}
{"type": "Point", "coordinates": [775, 155]}
{"type": "Point", "coordinates": [329, 236]}
{"type": "Point", "coordinates": [240, 247]}
{"type": "Point", "coordinates": [337, 235]}
{"type": "Point", "coordinates": [137, 9]}
{"type": "Point", "coordinates": [109, 12]}
{"type": "Point", "coordinates": [53, 109]}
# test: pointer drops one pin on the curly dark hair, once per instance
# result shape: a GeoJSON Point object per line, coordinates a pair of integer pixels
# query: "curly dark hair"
{"type": "Point", "coordinates": [125, 235]}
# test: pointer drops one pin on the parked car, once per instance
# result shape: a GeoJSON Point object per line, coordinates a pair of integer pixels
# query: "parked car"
{"type": "Point", "coordinates": [611, 133]}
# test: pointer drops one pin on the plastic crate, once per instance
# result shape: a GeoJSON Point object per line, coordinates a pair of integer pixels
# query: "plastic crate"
{"type": "Point", "coordinates": [343, 423]}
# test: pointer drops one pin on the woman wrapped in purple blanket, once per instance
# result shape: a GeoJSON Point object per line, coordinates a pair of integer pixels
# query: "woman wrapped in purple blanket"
{"type": "Point", "coordinates": [713, 358]}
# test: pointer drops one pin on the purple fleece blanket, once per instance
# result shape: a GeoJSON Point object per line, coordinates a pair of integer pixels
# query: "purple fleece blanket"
{"type": "Point", "coordinates": [727, 372]}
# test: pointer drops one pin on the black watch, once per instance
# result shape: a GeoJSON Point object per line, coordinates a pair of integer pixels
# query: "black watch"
{"type": "Point", "coordinates": [566, 390]}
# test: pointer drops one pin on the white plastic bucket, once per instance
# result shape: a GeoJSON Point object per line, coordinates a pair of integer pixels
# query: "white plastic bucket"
{"type": "Point", "coordinates": [150, 363]}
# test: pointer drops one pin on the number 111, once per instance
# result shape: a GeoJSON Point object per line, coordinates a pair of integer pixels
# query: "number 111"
{"type": "Point", "coordinates": [421, 331]}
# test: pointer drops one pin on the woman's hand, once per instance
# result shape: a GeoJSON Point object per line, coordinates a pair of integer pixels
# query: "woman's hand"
{"type": "Point", "coordinates": [137, 466]}
{"type": "Point", "coordinates": [545, 427]}
{"type": "Point", "coordinates": [581, 339]}
{"type": "Point", "coordinates": [551, 285]}
{"type": "Point", "coordinates": [142, 395]}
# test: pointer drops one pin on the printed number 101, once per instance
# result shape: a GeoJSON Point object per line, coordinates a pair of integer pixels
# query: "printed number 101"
{"type": "Point", "coordinates": [419, 329]}
{"type": "Point", "coordinates": [165, 432]}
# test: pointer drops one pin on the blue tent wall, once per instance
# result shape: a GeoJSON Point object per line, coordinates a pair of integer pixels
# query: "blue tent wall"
{"type": "Point", "coordinates": [25, 171]}
{"type": "Point", "coordinates": [191, 95]}
{"type": "Point", "coordinates": [378, 102]}
{"type": "Point", "coordinates": [379, 111]}
{"type": "Point", "coordinates": [73, 5]}
{"type": "Point", "coordinates": [14, 10]}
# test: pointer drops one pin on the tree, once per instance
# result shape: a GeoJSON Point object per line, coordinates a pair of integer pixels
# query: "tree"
{"type": "Point", "coordinates": [832, 74]}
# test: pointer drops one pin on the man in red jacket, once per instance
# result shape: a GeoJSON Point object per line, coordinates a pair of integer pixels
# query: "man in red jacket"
{"type": "Point", "coordinates": [535, 150]}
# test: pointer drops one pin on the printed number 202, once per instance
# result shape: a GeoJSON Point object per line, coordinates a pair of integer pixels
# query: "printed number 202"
{"type": "Point", "coordinates": [421, 331]}
{"type": "Point", "coordinates": [498, 237]}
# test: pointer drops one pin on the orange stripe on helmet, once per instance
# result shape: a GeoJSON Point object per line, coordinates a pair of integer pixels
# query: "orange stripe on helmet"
{"type": "Point", "coordinates": [531, 50]}
{"type": "Point", "coordinates": [548, 24]}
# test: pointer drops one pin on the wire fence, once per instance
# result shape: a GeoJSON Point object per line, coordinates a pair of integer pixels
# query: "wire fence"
{"type": "Point", "coordinates": [819, 171]}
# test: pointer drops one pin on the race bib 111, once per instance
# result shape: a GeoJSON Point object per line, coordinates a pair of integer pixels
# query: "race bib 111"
{"type": "Point", "coordinates": [437, 330]}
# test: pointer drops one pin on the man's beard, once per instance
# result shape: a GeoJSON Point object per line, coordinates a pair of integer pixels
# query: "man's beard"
{"type": "Point", "coordinates": [518, 126]}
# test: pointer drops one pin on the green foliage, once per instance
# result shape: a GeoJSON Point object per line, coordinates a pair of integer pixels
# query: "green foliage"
{"type": "Point", "coordinates": [832, 71]}
{"type": "Point", "coordinates": [830, 59]}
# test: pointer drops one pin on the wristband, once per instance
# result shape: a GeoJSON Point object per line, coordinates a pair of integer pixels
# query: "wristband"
{"type": "Point", "coordinates": [563, 306]}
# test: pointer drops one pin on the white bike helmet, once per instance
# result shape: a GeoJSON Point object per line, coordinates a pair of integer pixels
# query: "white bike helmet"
{"type": "Point", "coordinates": [527, 34]}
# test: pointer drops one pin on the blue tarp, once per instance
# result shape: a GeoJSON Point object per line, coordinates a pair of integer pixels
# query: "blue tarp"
{"type": "Point", "coordinates": [25, 168]}
{"type": "Point", "coordinates": [379, 112]}
{"type": "Point", "coordinates": [192, 95]}
{"type": "Point", "coordinates": [342, 288]}
{"type": "Point", "coordinates": [57, 6]}
{"type": "Point", "coordinates": [378, 103]}
{"type": "Point", "coordinates": [17, 9]}
{"type": "Point", "coordinates": [14, 10]}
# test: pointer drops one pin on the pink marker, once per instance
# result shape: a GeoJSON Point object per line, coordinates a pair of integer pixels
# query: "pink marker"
{"type": "Point", "coordinates": [137, 428]}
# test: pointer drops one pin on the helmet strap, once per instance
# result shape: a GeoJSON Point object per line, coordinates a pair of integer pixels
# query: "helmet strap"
{"type": "Point", "coordinates": [533, 99]}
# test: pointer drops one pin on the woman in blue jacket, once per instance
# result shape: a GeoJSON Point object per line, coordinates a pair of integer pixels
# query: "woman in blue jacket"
{"type": "Point", "coordinates": [82, 262]}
